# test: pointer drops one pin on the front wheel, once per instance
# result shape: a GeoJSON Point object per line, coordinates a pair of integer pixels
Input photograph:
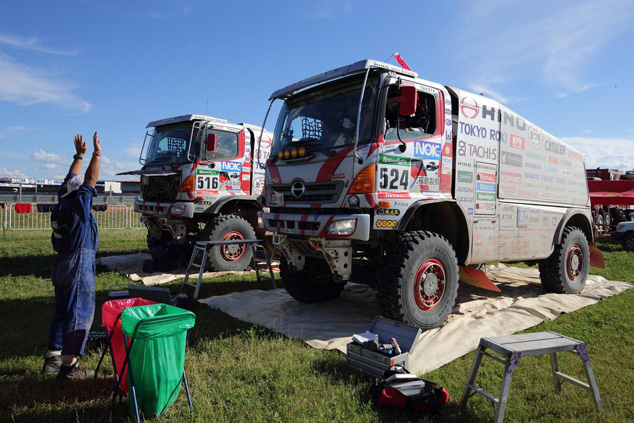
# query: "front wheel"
{"type": "Point", "coordinates": [419, 284]}
{"type": "Point", "coordinates": [566, 270]}
{"type": "Point", "coordinates": [229, 257]}
{"type": "Point", "coordinates": [313, 284]}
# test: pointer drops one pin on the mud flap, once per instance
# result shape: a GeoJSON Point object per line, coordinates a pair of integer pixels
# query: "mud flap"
{"type": "Point", "coordinates": [596, 256]}
{"type": "Point", "coordinates": [477, 277]}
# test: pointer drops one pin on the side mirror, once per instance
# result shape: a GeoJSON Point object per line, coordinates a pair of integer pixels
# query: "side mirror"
{"type": "Point", "coordinates": [210, 142]}
{"type": "Point", "coordinates": [407, 100]}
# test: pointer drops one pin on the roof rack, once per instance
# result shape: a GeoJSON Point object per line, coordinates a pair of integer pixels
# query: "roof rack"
{"type": "Point", "coordinates": [359, 66]}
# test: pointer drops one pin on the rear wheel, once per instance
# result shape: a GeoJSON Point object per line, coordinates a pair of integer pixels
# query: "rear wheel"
{"type": "Point", "coordinates": [566, 270]}
{"type": "Point", "coordinates": [229, 257]}
{"type": "Point", "coordinates": [313, 284]}
{"type": "Point", "coordinates": [628, 242]}
{"type": "Point", "coordinates": [419, 284]}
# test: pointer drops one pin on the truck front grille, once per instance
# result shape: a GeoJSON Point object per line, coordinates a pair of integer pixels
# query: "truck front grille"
{"type": "Point", "coordinates": [161, 189]}
{"type": "Point", "coordinates": [316, 192]}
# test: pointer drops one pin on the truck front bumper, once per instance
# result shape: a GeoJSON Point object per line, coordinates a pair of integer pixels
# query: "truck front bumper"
{"type": "Point", "coordinates": [340, 226]}
{"type": "Point", "coordinates": [172, 210]}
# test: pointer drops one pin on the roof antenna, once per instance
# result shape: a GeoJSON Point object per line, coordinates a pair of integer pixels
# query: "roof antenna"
{"type": "Point", "coordinates": [206, 104]}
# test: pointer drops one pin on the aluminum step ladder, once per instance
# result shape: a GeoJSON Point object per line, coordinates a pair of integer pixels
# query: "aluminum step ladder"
{"type": "Point", "coordinates": [513, 348]}
{"type": "Point", "coordinates": [261, 256]}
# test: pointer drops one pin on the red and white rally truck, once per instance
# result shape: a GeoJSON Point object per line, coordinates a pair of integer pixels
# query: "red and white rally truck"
{"type": "Point", "coordinates": [378, 176]}
{"type": "Point", "coordinates": [200, 180]}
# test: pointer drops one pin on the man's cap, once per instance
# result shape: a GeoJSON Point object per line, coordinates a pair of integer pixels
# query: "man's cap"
{"type": "Point", "coordinates": [73, 185]}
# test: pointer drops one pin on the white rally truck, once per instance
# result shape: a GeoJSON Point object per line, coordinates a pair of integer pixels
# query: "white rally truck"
{"type": "Point", "coordinates": [378, 176]}
{"type": "Point", "coordinates": [200, 180]}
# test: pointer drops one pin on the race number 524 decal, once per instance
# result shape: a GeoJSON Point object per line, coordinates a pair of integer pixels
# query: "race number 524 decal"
{"type": "Point", "coordinates": [393, 178]}
{"type": "Point", "coordinates": [207, 182]}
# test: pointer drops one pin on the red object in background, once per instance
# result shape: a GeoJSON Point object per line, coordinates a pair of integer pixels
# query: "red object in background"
{"type": "Point", "coordinates": [110, 318]}
{"type": "Point", "coordinates": [23, 207]}
{"type": "Point", "coordinates": [611, 192]}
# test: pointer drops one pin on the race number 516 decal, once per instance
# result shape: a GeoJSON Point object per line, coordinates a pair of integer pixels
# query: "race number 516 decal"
{"type": "Point", "coordinates": [204, 182]}
{"type": "Point", "coordinates": [393, 178]}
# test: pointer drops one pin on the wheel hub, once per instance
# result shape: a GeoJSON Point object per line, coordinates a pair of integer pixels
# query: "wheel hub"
{"type": "Point", "coordinates": [232, 252]}
{"type": "Point", "coordinates": [574, 262]}
{"type": "Point", "coordinates": [429, 288]}
{"type": "Point", "coordinates": [430, 284]}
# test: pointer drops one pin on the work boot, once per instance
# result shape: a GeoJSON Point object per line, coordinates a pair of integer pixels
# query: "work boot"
{"type": "Point", "coordinates": [52, 363]}
{"type": "Point", "coordinates": [74, 372]}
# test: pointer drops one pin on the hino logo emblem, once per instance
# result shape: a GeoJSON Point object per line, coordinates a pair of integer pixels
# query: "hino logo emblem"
{"type": "Point", "coordinates": [297, 189]}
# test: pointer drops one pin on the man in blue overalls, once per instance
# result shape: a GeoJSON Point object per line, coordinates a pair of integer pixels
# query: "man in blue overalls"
{"type": "Point", "coordinates": [75, 240]}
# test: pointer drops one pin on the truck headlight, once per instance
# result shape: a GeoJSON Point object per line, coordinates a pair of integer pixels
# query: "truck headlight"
{"type": "Point", "coordinates": [342, 227]}
{"type": "Point", "coordinates": [177, 209]}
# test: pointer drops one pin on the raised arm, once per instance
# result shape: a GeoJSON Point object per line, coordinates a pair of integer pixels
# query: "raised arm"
{"type": "Point", "coordinates": [80, 148]}
{"type": "Point", "coordinates": [92, 173]}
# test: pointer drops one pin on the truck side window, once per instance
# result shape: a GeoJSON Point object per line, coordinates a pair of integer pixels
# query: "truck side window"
{"type": "Point", "coordinates": [226, 146]}
{"type": "Point", "coordinates": [422, 124]}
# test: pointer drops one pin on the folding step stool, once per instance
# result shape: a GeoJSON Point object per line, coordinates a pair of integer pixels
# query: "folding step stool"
{"type": "Point", "coordinates": [201, 249]}
{"type": "Point", "coordinates": [513, 348]}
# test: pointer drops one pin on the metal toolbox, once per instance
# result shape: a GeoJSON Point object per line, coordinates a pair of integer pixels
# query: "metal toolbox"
{"type": "Point", "coordinates": [374, 363]}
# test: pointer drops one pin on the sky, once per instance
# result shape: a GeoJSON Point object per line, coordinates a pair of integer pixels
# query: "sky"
{"type": "Point", "coordinates": [76, 66]}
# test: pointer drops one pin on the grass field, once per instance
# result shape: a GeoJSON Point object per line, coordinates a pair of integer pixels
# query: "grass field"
{"type": "Point", "coordinates": [239, 372]}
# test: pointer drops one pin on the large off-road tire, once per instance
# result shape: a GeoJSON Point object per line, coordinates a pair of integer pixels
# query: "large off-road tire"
{"type": "Point", "coordinates": [628, 242]}
{"type": "Point", "coordinates": [313, 284]}
{"type": "Point", "coordinates": [419, 283]}
{"type": "Point", "coordinates": [153, 241]}
{"type": "Point", "coordinates": [230, 257]}
{"type": "Point", "coordinates": [566, 270]}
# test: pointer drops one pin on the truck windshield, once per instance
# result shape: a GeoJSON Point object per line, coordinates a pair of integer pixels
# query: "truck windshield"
{"type": "Point", "coordinates": [169, 144]}
{"type": "Point", "coordinates": [326, 116]}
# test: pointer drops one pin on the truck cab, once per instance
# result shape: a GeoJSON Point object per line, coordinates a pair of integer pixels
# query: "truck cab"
{"type": "Point", "coordinates": [200, 178]}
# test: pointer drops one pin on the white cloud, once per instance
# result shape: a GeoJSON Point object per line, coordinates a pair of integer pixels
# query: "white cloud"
{"type": "Point", "coordinates": [6, 173]}
{"type": "Point", "coordinates": [32, 43]}
{"type": "Point", "coordinates": [132, 151]}
{"type": "Point", "coordinates": [50, 166]}
{"type": "Point", "coordinates": [23, 85]}
{"type": "Point", "coordinates": [43, 156]}
{"type": "Point", "coordinates": [613, 153]}
{"type": "Point", "coordinates": [524, 43]}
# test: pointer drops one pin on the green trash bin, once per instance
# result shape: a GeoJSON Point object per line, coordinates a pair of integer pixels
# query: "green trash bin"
{"type": "Point", "coordinates": [156, 355]}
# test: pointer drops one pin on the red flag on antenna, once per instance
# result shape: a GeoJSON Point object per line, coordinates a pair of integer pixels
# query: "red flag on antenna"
{"type": "Point", "coordinates": [401, 62]}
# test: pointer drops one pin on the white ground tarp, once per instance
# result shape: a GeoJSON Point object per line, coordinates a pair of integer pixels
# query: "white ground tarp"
{"type": "Point", "coordinates": [478, 313]}
{"type": "Point", "coordinates": [131, 265]}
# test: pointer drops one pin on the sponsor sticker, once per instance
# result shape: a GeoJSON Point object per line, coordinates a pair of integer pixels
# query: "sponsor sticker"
{"type": "Point", "coordinates": [486, 187]}
{"type": "Point", "coordinates": [466, 177]}
{"type": "Point", "coordinates": [517, 142]}
{"type": "Point", "coordinates": [427, 150]}
{"type": "Point", "coordinates": [511, 159]}
{"type": "Point", "coordinates": [394, 160]}
{"type": "Point", "coordinates": [469, 108]}
{"type": "Point", "coordinates": [535, 137]}
{"type": "Point", "coordinates": [386, 224]}
{"type": "Point", "coordinates": [513, 178]}
{"type": "Point", "coordinates": [483, 196]}
{"type": "Point", "coordinates": [389, 212]}
{"type": "Point", "coordinates": [231, 166]}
